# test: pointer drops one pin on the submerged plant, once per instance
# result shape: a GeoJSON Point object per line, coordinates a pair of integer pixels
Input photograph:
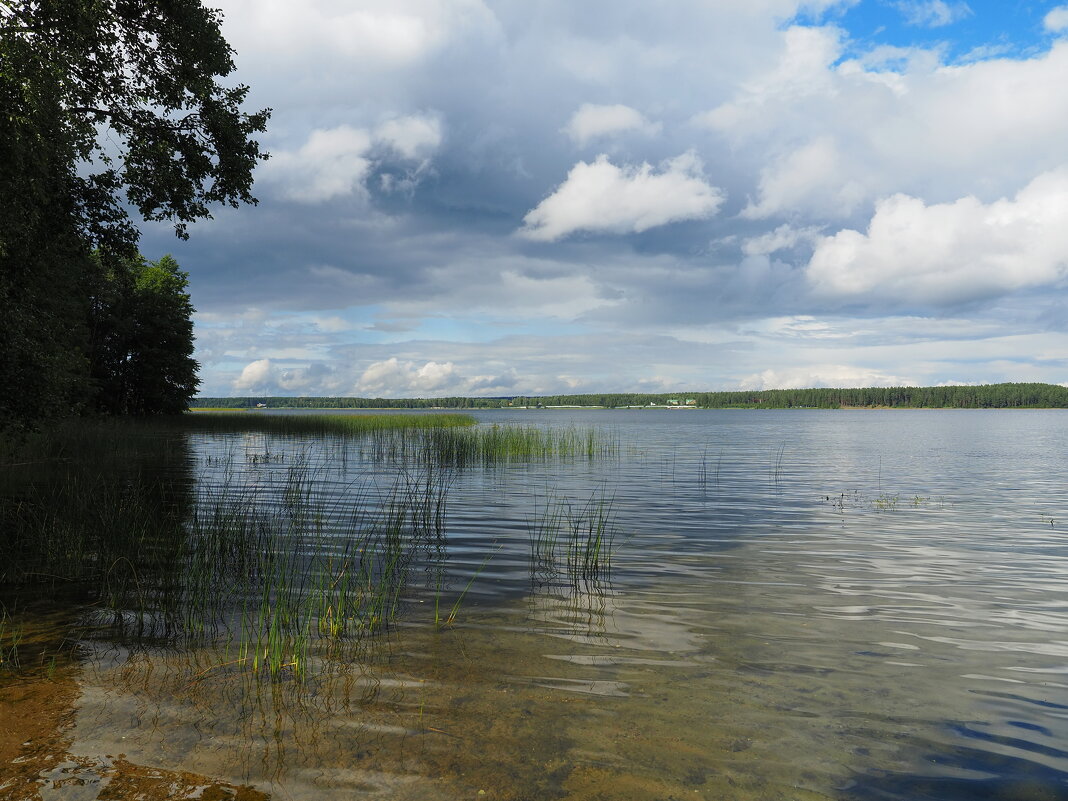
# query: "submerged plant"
{"type": "Point", "coordinates": [885, 503]}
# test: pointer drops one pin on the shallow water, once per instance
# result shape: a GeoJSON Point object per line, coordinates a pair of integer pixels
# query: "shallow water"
{"type": "Point", "coordinates": [803, 604]}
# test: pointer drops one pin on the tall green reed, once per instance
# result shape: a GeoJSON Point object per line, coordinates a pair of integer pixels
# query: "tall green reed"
{"type": "Point", "coordinates": [270, 574]}
{"type": "Point", "coordinates": [313, 579]}
{"type": "Point", "coordinates": [487, 445]}
{"type": "Point", "coordinates": [318, 424]}
{"type": "Point", "coordinates": [575, 541]}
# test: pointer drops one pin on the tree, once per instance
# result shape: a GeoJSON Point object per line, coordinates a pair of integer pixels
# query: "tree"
{"type": "Point", "coordinates": [105, 105]}
{"type": "Point", "coordinates": [140, 337]}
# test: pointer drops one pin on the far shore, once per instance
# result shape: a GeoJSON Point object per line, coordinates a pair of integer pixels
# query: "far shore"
{"type": "Point", "coordinates": [554, 408]}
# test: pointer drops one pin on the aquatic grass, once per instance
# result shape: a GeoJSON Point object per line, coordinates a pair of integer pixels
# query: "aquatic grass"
{"type": "Point", "coordinates": [437, 439]}
{"type": "Point", "coordinates": [84, 501]}
{"type": "Point", "coordinates": [441, 620]}
{"type": "Point", "coordinates": [702, 470]}
{"type": "Point", "coordinates": [260, 569]}
{"type": "Point", "coordinates": [573, 540]}
{"type": "Point", "coordinates": [87, 529]}
{"type": "Point", "coordinates": [544, 534]}
{"type": "Point", "coordinates": [307, 584]}
{"type": "Point", "coordinates": [592, 537]}
{"type": "Point", "coordinates": [346, 425]}
{"type": "Point", "coordinates": [263, 570]}
{"type": "Point", "coordinates": [496, 444]}
{"type": "Point", "coordinates": [775, 469]}
{"type": "Point", "coordinates": [885, 502]}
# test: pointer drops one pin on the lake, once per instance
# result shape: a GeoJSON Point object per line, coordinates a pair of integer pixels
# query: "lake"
{"type": "Point", "coordinates": [805, 604]}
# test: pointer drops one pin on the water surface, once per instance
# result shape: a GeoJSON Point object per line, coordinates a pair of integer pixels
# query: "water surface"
{"type": "Point", "coordinates": [801, 605]}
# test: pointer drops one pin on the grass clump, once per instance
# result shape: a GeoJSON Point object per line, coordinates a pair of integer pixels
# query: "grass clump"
{"type": "Point", "coordinates": [495, 444]}
{"type": "Point", "coordinates": [885, 502]}
{"type": "Point", "coordinates": [575, 541]}
{"type": "Point", "coordinates": [277, 580]}
{"type": "Point", "coordinates": [109, 514]}
{"type": "Point", "coordinates": [264, 572]}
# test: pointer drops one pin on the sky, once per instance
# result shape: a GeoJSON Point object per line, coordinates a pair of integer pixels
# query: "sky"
{"type": "Point", "coordinates": [502, 197]}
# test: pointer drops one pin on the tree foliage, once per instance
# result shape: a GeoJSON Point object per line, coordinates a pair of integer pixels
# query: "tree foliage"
{"type": "Point", "coordinates": [132, 93]}
{"type": "Point", "coordinates": [140, 337]}
{"type": "Point", "coordinates": [105, 106]}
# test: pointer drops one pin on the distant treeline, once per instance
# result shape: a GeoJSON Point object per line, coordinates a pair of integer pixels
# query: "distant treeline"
{"type": "Point", "coordinates": [349, 403]}
{"type": "Point", "coordinates": [987, 396]}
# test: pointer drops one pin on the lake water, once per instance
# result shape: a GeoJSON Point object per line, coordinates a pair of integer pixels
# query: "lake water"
{"type": "Point", "coordinates": [800, 605]}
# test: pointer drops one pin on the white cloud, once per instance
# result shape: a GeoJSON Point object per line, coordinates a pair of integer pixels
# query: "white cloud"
{"type": "Point", "coordinates": [487, 288]}
{"type": "Point", "coordinates": [335, 162]}
{"type": "Point", "coordinates": [333, 324]}
{"type": "Point", "coordinates": [404, 378]}
{"type": "Point", "coordinates": [267, 377]}
{"type": "Point", "coordinates": [826, 137]}
{"type": "Point", "coordinates": [822, 375]}
{"type": "Point", "coordinates": [593, 121]}
{"type": "Point", "coordinates": [932, 13]}
{"type": "Point", "coordinates": [818, 7]}
{"type": "Point", "coordinates": [812, 175]}
{"type": "Point", "coordinates": [603, 197]}
{"type": "Point", "coordinates": [393, 376]}
{"type": "Point", "coordinates": [803, 69]}
{"type": "Point", "coordinates": [782, 238]}
{"type": "Point", "coordinates": [951, 252]}
{"type": "Point", "coordinates": [255, 375]}
{"type": "Point", "coordinates": [809, 128]}
{"type": "Point", "coordinates": [1056, 20]}
{"type": "Point", "coordinates": [414, 137]}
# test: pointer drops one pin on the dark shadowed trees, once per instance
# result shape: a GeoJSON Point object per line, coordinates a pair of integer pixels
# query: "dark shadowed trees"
{"type": "Point", "coordinates": [140, 344]}
{"type": "Point", "coordinates": [105, 106]}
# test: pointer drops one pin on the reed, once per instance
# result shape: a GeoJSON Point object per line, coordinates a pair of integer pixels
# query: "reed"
{"type": "Point", "coordinates": [442, 440]}
{"type": "Point", "coordinates": [575, 541]}
{"type": "Point", "coordinates": [496, 444]}
{"type": "Point", "coordinates": [441, 619]}
{"type": "Point", "coordinates": [306, 583]}
{"type": "Point", "coordinates": [346, 425]}
{"type": "Point", "coordinates": [264, 572]}
{"type": "Point", "coordinates": [267, 571]}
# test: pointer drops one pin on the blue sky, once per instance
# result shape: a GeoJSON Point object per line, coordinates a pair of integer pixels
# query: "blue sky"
{"type": "Point", "coordinates": [501, 197]}
{"type": "Point", "coordinates": [965, 30]}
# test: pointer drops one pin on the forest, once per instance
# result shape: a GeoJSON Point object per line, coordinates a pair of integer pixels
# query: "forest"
{"type": "Point", "coordinates": [985, 396]}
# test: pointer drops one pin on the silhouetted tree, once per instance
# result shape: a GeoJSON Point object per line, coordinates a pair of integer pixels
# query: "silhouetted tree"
{"type": "Point", "coordinates": [141, 337]}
